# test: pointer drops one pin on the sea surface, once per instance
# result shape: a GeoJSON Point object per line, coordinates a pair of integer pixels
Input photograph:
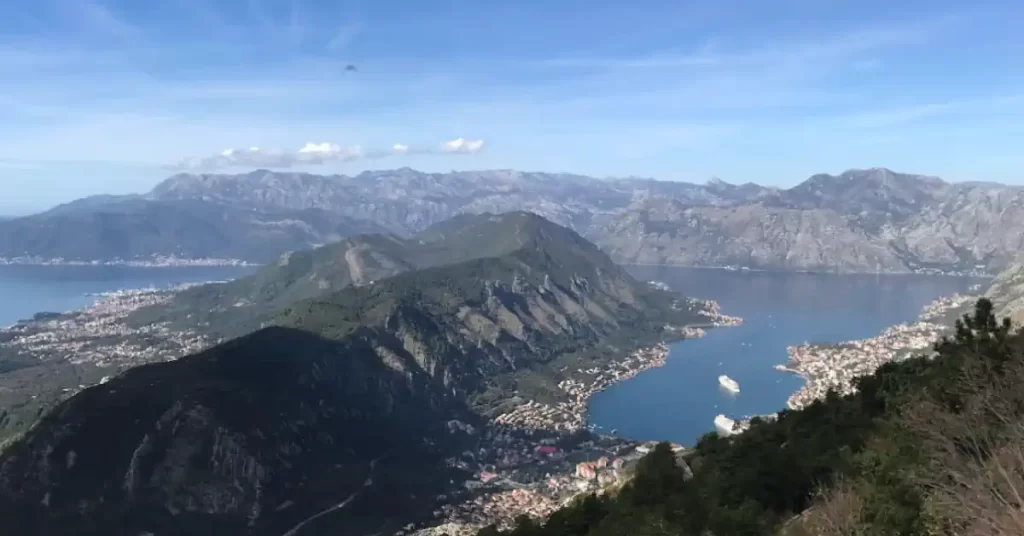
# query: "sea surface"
{"type": "Point", "coordinates": [26, 290]}
{"type": "Point", "coordinates": [679, 401]}
{"type": "Point", "coordinates": [676, 402]}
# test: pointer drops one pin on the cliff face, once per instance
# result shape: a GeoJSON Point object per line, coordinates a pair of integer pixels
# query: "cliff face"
{"type": "Point", "coordinates": [251, 437]}
{"type": "Point", "coordinates": [476, 321]}
{"type": "Point", "coordinates": [344, 406]}
{"type": "Point", "coordinates": [1007, 294]}
{"type": "Point", "coordinates": [846, 223]}
{"type": "Point", "coordinates": [860, 220]}
{"type": "Point", "coordinates": [240, 306]}
{"type": "Point", "coordinates": [755, 236]}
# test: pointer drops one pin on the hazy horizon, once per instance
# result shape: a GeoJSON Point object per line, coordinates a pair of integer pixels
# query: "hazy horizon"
{"type": "Point", "coordinates": [102, 96]}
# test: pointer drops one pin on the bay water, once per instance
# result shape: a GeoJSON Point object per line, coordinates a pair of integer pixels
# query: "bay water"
{"type": "Point", "coordinates": [26, 290]}
{"type": "Point", "coordinates": [679, 401]}
{"type": "Point", "coordinates": [676, 402]}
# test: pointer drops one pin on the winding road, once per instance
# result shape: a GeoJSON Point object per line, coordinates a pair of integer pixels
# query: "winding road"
{"type": "Point", "coordinates": [367, 483]}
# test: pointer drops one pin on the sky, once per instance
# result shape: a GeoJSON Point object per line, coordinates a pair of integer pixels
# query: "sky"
{"type": "Point", "coordinates": [111, 96]}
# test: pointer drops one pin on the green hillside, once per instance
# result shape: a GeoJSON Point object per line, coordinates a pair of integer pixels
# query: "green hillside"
{"type": "Point", "coordinates": [925, 447]}
{"type": "Point", "coordinates": [359, 397]}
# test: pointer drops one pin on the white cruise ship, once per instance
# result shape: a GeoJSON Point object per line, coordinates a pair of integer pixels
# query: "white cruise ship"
{"type": "Point", "coordinates": [724, 425]}
{"type": "Point", "coordinates": [729, 383]}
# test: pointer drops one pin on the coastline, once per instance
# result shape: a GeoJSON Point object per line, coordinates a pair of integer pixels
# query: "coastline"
{"type": "Point", "coordinates": [825, 367]}
{"type": "Point", "coordinates": [534, 424]}
{"type": "Point", "coordinates": [156, 261]}
{"type": "Point", "coordinates": [571, 416]}
{"type": "Point", "coordinates": [72, 335]}
{"type": "Point", "coordinates": [164, 261]}
{"type": "Point", "coordinates": [574, 464]}
{"type": "Point", "coordinates": [783, 270]}
{"type": "Point", "coordinates": [529, 460]}
{"type": "Point", "coordinates": [83, 347]}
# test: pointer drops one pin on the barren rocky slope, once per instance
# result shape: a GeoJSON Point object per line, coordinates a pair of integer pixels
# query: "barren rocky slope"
{"type": "Point", "coordinates": [1007, 294]}
{"type": "Point", "coordinates": [861, 220]}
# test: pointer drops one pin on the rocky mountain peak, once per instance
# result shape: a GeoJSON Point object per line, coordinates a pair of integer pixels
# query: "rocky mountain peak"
{"type": "Point", "coordinates": [897, 217]}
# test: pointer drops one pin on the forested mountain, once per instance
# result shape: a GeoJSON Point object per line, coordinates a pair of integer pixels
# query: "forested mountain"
{"type": "Point", "coordinates": [344, 405]}
{"type": "Point", "coordinates": [355, 261]}
{"type": "Point", "coordinates": [250, 437]}
{"type": "Point", "coordinates": [861, 220]}
{"type": "Point", "coordinates": [926, 446]}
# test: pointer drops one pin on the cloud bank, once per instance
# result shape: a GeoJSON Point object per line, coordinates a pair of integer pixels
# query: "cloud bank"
{"type": "Point", "coordinates": [315, 154]}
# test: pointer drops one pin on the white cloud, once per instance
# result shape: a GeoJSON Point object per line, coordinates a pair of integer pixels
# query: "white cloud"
{"type": "Point", "coordinates": [323, 149]}
{"type": "Point", "coordinates": [463, 146]}
{"type": "Point", "coordinates": [313, 153]}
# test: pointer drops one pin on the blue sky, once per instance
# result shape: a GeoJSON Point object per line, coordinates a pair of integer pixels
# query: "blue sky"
{"type": "Point", "coordinates": [109, 96]}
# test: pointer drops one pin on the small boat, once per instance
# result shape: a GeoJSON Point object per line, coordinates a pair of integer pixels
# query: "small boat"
{"type": "Point", "coordinates": [729, 383]}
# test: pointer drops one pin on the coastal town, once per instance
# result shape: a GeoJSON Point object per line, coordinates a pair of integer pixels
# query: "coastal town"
{"type": "Point", "coordinates": [570, 414]}
{"type": "Point", "coordinates": [99, 335]}
{"type": "Point", "coordinates": [533, 473]}
{"type": "Point", "coordinates": [530, 460]}
{"type": "Point", "coordinates": [836, 366]}
{"type": "Point", "coordinates": [96, 343]}
{"type": "Point", "coordinates": [540, 456]}
{"type": "Point", "coordinates": [156, 261]}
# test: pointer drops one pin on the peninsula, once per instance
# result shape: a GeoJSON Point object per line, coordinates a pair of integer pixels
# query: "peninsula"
{"type": "Point", "coordinates": [467, 380]}
{"type": "Point", "coordinates": [531, 459]}
{"type": "Point", "coordinates": [827, 367]}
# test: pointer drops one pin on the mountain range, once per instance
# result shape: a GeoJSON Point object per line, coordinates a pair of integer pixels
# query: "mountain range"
{"type": "Point", "coordinates": [109, 228]}
{"type": "Point", "coordinates": [859, 221]}
{"type": "Point", "coordinates": [345, 410]}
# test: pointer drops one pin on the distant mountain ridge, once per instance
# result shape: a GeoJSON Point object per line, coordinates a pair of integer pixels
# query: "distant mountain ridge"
{"type": "Point", "coordinates": [132, 227]}
{"type": "Point", "coordinates": [859, 221]}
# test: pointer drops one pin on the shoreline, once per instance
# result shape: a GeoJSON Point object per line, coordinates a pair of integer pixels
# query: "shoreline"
{"type": "Point", "coordinates": [546, 452]}
{"type": "Point", "coordinates": [836, 366]}
{"type": "Point", "coordinates": [738, 268]}
{"type": "Point", "coordinates": [572, 416]}
{"type": "Point", "coordinates": [534, 423]}
{"type": "Point", "coordinates": [153, 262]}
{"type": "Point", "coordinates": [71, 335]}
{"type": "Point", "coordinates": [161, 261]}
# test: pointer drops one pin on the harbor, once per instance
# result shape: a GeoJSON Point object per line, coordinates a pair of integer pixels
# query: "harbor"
{"type": "Point", "coordinates": [681, 400]}
{"type": "Point", "coordinates": [835, 367]}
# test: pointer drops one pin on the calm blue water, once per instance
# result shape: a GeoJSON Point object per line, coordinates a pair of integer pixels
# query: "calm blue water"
{"type": "Point", "coordinates": [678, 402]}
{"type": "Point", "coordinates": [26, 290]}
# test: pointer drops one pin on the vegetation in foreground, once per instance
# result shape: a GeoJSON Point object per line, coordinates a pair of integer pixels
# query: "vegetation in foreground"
{"type": "Point", "coordinates": [925, 447]}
